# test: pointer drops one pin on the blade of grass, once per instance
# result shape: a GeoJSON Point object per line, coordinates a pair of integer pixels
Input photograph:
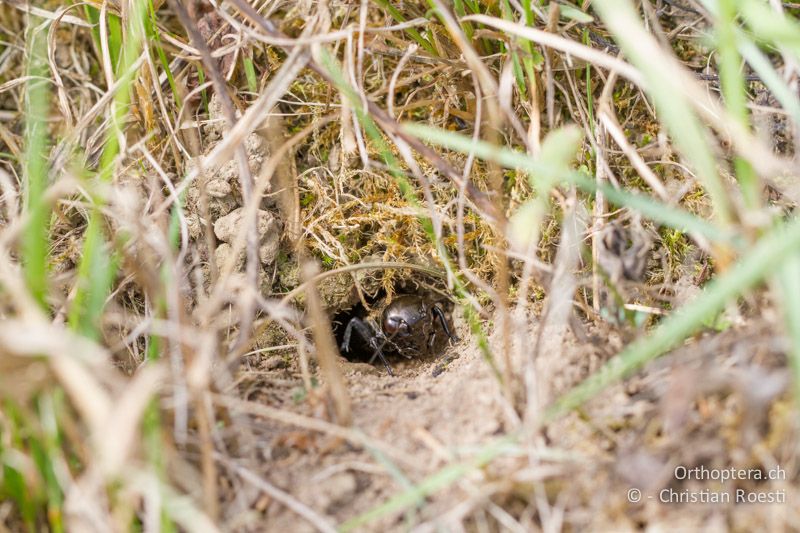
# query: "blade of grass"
{"type": "Point", "coordinates": [35, 242]}
{"type": "Point", "coordinates": [473, 6]}
{"type": "Point", "coordinates": [570, 12]}
{"type": "Point", "coordinates": [154, 451]}
{"type": "Point", "coordinates": [508, 14]}
{"type": "Point", "coordinates": [484, 45]}
{"type": "Point", "coordinates": [401, 479]}
{"type": "Point", "coordinates": [97, 269]}
{"type": "Point", "coordinates": [733, 91]}
{"type": "Point", "coordinates": [14, 484]}
{"type": "Point", "coordinates": [151, 29]}
{"type": "Point", "coordinates": [48, 453]}
{"type": "Point", "coordinates": [201, 80]}
{"type": "Point", "coordinates": [114, 26]}
{"type": "Point", "coordinates": [532, 58]}
{"type": "Point", "coordinates": [115, 46]}
{"type": "Point", "coordinates": [93, 17]}
{"type": "Point", "coordinates": [31, 453]}
{"type": "Point", "coordinates": [789, 284]}
{"type": "Point", "coordinates": [769, 76]}
{"type": "Point", "coordinates": [460, 11]}
{"type": "Point", "coordinates": [441, 479]}
{"type": "Point", "coordinates": [589, 90]}
{"type": "Point", "coordinates": [769, 26]}
{"type": "Point", "coordinates": [557, 152]}
{"type": "Point", "coordinates": [412, 32]}
{"type": "Point", "coordinates": [120, 104]}
{"type": "Point", "coordinates": [95, 275]}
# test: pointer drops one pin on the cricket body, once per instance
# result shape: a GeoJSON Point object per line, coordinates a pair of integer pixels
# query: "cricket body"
{"type": "Point", "coordinates": [407, 326]}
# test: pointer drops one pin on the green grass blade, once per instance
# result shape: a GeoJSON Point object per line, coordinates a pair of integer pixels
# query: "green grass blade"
{"type": "Point", "coordinates": [771, 27]}
{"type": "Point", "coordinates": [93, 17]}
{"type": "Point", "coordinates": [114, 25]}
{"type": "Point", "coordinates": [115, 45]}
{"type": "Point", "coordinates": [13, 485]}
{"type": "Point", "coordinates": [122, 98]}
{"type": "Point", "coordinates": [532, 58]}
{"type": "Point", "coordinates": [769, 76]}
{"type": "Point", "coordinates": [557, 153]}
{"type": "Point", "coordinates": [789, 284]}
{"type": "Point", "coordinates": [152, 442]}
{"type": "Point", "coordinates": [50, 451]}
{"type": "Point", "coordinates": [35, 241]}
{"type": "Point", "coordinates": [508, 14]}
{"type": "Point", "coordinates": [97, 268]}
{"type": "Point", "coordinates": [95, 275]}
{"type": "Point", "coordinates": [201, 79]}
{"type": "Point", "coordinates": [460, 11]}
{"type": "Point", "coordinates": [151, 29]}
{"type": "Point", "coordinates": [656, 211]}
{"type": "Point", "coordinates": [733, 90]}
{"type": "Point", "coordinates": [434, 483]}
{"type": "Point", "coordinates": [573, 13]}
{"type": "Point", "coordinates": [426, 44]}
{"type": "Point", "coordinates": [590, 104]}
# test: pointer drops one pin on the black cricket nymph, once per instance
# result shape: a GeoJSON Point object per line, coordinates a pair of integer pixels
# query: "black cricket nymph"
{"type": "Point", "coordinates": [411, 325]}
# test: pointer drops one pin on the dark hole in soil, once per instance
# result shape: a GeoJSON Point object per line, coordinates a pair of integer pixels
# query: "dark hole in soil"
{"type": "Point", "coordinates": [359, 347]}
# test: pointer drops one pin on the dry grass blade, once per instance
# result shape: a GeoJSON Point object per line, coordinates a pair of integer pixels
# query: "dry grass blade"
{"type": "Point", "coordinates": [351, 435]}
{"type": "Point", "coordinates": [557, 42]}
{"type": "Point", "coordinates": [305, 512]}
{"type": "Point", "coordinates": [614, 129]}
{"type": "Point", "coordinates": [326, 351]}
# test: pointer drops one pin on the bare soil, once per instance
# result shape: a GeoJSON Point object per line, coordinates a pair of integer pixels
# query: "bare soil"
{"type": "Point", "coordinates": [632, 437]}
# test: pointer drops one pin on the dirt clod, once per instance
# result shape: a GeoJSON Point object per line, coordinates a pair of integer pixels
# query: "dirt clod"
{"type": "Point", "coordinates": [268, 228]}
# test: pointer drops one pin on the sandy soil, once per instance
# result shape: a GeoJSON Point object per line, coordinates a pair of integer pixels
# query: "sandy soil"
{"type": "Point", "coordinates": [579, 470]}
